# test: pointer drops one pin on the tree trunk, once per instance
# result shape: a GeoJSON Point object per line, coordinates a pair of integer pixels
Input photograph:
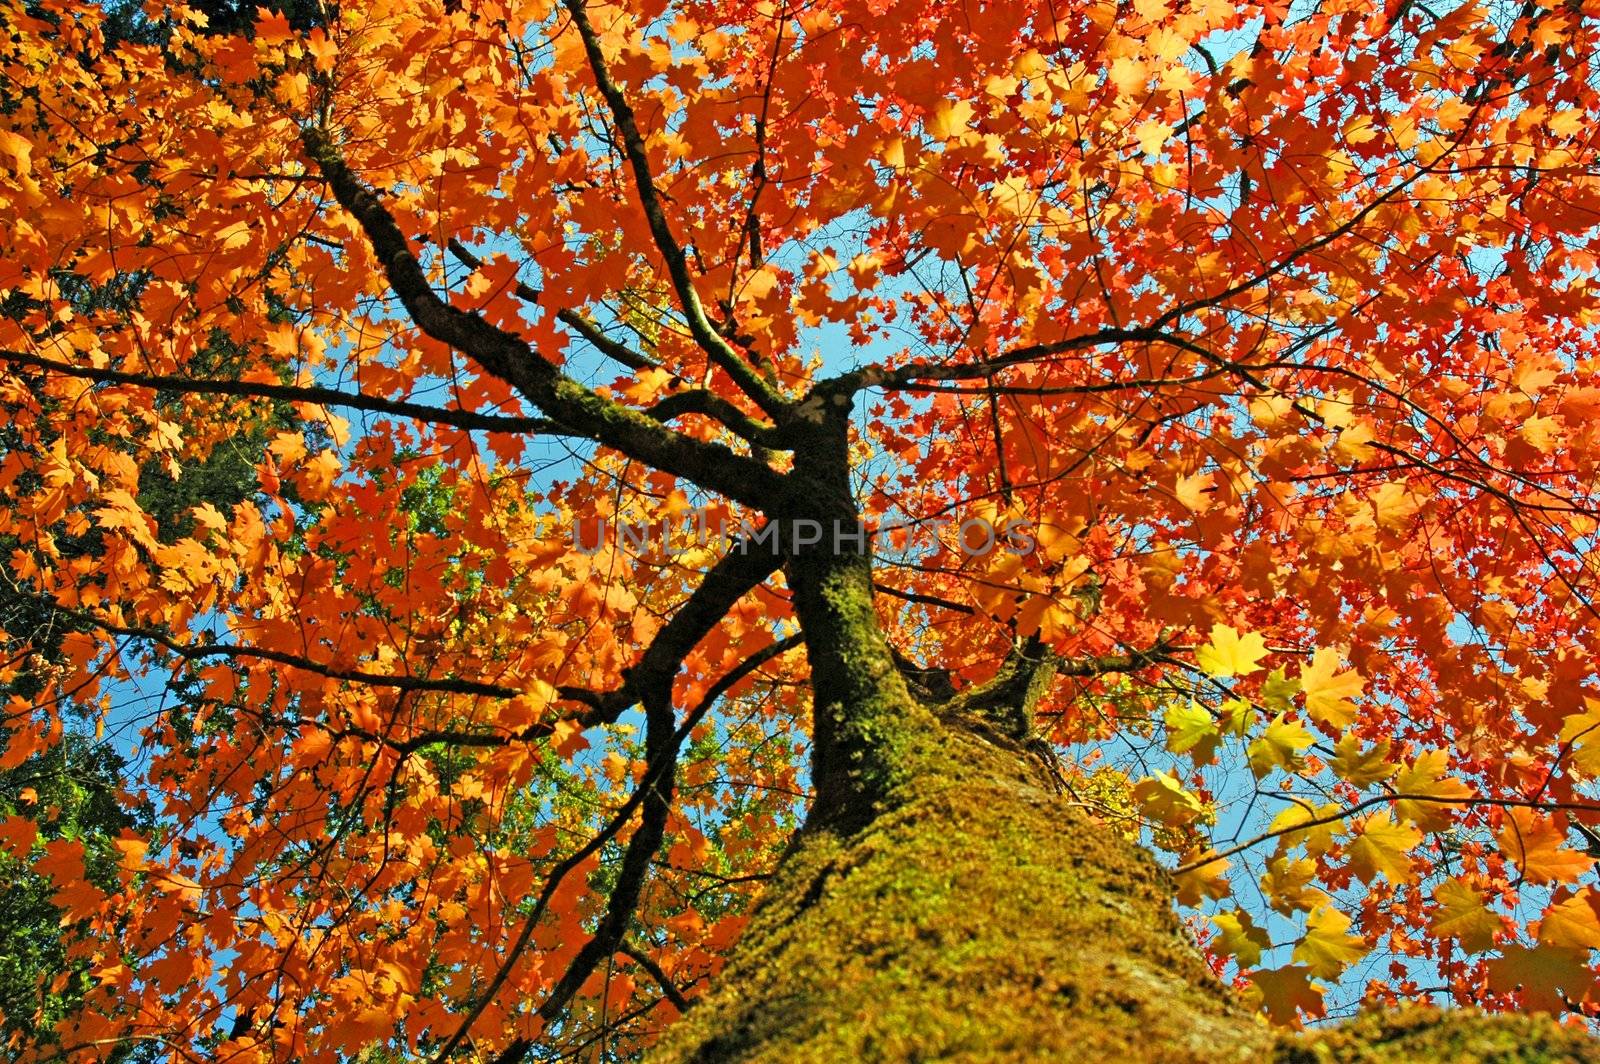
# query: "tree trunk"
{"type": "Point", "coordinates": [981, 916]}
{"type": "Point", "coordinates": [947, 901]}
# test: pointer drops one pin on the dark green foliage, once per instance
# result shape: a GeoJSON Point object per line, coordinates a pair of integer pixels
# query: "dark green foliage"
{"type": "Point", "coordinates": [72, 793]}
{"type": "Point", "coordinates": [126, 19]}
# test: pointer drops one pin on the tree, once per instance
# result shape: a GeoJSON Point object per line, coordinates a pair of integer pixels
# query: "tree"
{"type": "Point", "coordinates": [1210, 383]}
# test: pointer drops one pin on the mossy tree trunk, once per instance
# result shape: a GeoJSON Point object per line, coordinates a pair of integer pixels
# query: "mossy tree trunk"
{"type": "Point", "coordinates": [946, 901]}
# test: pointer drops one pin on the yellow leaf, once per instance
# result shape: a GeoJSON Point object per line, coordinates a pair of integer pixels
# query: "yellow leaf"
{"type": "Point", "coordinates": [1543, 434]}
{"type": "Point", "coordinates": [1238, 937]}
{"type": "Point", "coordinates": [1204, 880]}
{"type": "Point", "coordinates": [949, 119]}
{"type": "Point", "coordinates": [1362, 768]}
{"type": "Point", "coordinates": [893, 153]}
{"type": "Point", "coordinates": [1230, 654]}
{"type": "Point", "coordinates": [1570, 924]}
{"type": "Point", "coordinates": [1536, 844]}
{"type": "Point", "coordinates": [1394, 504]}
{"type": "Point", "coordinates": [1326, 950]}
{"type": "Point", "coordinates": [1462, 916]}
{"type": "Point", "coordinates": [1566, 122]}
{"type": "Point", "coordinates": [1355, 442]}
{"type": "Point", "coordinates": [1426, 777]}
{"type": "Point", "coordinates": [1194, 490]}
{"type": "Point", "coordinates": [1328, 690]}
{"type": "Point", "coordinates": [1278, 691]}
{"type": "Point", "coordinates": [1161, 797]}
{"type": "Point", "coordinates": [1581, 732]}
{"type": "Point", "coordinates": [1279, 746]}
{"type": "Point", "coordinates": [1128, 75]}
{"type": "Point", "coordinates": [1318, 838]}
{"type": "Point", "coordinates": [1383, 845]}
{"type": "Point", "coordinates": [1236, 716]}
{"type": "Point", "coordinates": [1286, 993]}
{"type": "Point", "coordinates": [1152, 135]}
{"type": "Point", "coordinates": [1191, 730]}
{"type": "Point", "coordinates": [1286, 884]}
{"type": "Point", "coordinates": [1360, 129]}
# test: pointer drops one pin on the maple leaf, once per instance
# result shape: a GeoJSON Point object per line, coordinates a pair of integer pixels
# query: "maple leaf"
{"type": "Point", "coordinates": [121, 512]}
{"type": "Point", "coordinates": [1570, 924]}
{"type": "Point", "coordinates": [1238, 937]}
{"type": "Point", "coordinates": [1205, 879]}
{"type": "Point", "coordinates": [1236, 716]}
{"type": "Point", "coordinates": [1194, 491]}
{"type": "Point", "coordinates": [1277, 690]}
{"type": "Point", "coordinates": [1462, 915]}
{"type": "Point", "coordinates": [1287, 993]}
{"type": "Point", "coordinates": [1230, 654]}
{"type": "Point", "coordinates": [17, 835]}
{"type": "Point", "coordinates": [1536, 843]}
{"type": "Point", "coordinates": [1191, 730]}
{"type": "Point", "coordinates": [1362, 767]}
{"type": "Point", "coordinates": [1280, 746]}
{"type": "Point", "coordinates": [1581, 731]}
{"type": "Point", "coordinates": [1287, 885]}
{"type": "Point", "coordinates": [1383, 846]}
{"type": "Point", "coordinates": [1162, 797]}
{"type": "Point", "coordinates": [1546, 977]}
{"type": "Point", "coordinates": [1318, 839]}
{"type": "Point", "coordinates": [1328, 691]}
{"type": "Point", "coordinates": [1425, 777]}
{"type": "Point", "coordinates": [1326, 950]}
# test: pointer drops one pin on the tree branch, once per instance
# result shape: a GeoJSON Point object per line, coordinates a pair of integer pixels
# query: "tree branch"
{"type": "Point", "coordinates": [462, 419]}
{"type": "Point", "coordinates": [512, 359]}
{"type": "Point", "coordinates": [761, 391]}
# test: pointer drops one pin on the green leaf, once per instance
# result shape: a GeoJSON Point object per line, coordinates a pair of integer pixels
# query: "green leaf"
{"type": "Point", "coordinates": [1191, 730]}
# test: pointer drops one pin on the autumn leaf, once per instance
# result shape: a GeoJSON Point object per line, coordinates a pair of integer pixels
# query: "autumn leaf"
{"type": "Point", "coordinates": [1287, 993]}
{"type": "Point", "coordinates": [1287, 885]}
{"type": "Point", "coordinates": [1363, 765]}
{"type": "Point", "coordinates": [1194, 491]}
{"type": "Point", "coordinates": [1238, 937]}
{"type": "Point", "coordinates": [1581, 732]}
{"type": "Point", "coordinates": [1545, 976]}
{"type": "Point", "coordinates": [1280, 746]}
{"type": "Point", "coordinates": [1328, 691]}
{"type": "Point", "coordinates": [1536, 844]}
{"type": "Point", "coordinates": [1230, 654]}
{"type": "Point", "coordinates": [1462, 915]}
{"type": "Point", "coordinates": [1318, 838]}
{"type": "Point", "coordinates": [1191, 730]}
{"type": "Point", "coordinates": [1206, 877]}
{"type": "Point", "coordinates": [1163, 798]}
{"type": "Point", "coordinates": [1326, 950]}
{"type": "Point", "coordinates": [1383, 846]}
{"type": "Point", "coordinates": [1425, 778]}
{"type": "Point", "coordinates": [1570, 924]}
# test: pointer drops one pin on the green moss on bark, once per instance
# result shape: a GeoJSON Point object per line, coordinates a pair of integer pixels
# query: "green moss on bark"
{"type": "Point", "coordinates": [981, 917]}
{"type": "Point", "coordinates": [1429, 1034]}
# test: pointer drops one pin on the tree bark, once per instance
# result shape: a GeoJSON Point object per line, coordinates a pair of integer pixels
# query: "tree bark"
{"type": "Point", "coordinates": [977, 916]}
{"type": "Point", "coordinates": [980, 916]}
{"type": "Point", "coordinates": [946, 900]}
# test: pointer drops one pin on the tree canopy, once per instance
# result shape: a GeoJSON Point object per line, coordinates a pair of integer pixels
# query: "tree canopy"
{"type": "Point", "coordinates": [480, 477]}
